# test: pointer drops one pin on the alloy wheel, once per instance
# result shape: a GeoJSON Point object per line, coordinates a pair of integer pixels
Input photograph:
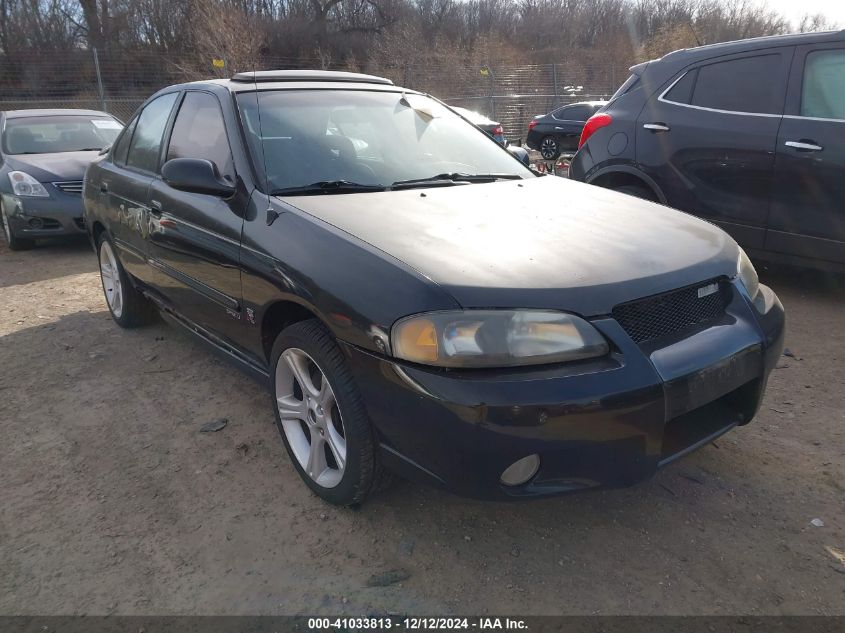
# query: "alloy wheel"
{"type": "Point", "coordinates": [110, 275]}
{"type": "Point", "coordinates": [548, 148]}
{"type": "Point", "coordinates": [310, 417]}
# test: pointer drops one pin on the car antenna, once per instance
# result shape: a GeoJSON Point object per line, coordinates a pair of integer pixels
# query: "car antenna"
{"type": "Point", "coordinates": [272, 214]}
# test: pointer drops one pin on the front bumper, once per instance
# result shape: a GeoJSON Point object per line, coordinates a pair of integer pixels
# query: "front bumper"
{"type": "Point", "coordinates": [57, 216]}
{"type": "Point", "coordinates": [608, 422]}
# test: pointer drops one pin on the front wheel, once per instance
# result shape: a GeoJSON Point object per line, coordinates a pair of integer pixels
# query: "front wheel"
{"type": "Point", "coordinates": [549, 148]}
{"type": "Point", "coordinates": [128, 307]}
{"type": "Point", "coordinates": [15, 243]}
{"type": "Point", "coordinates": [321, 417]}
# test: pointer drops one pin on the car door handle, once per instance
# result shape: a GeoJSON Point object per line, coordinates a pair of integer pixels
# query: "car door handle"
{"type": "Point", "coordinates": [104, 187]}
{"type": "Point", "coordinates": [656, 127]}
{"type": "Point", "coordinates": [804, 146]}
{"type": "Point", "coordinates": [155, 207]}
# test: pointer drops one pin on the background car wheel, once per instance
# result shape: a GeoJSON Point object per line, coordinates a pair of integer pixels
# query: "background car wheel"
{"type": "Point", "coordinates": [321, 417]}
{"type": "Point", "coordinates": [549, 148]}
{"type": "Point", "coordinates": [128, 307]}
{"type": "Point", "coordinates": [637, 191]}
{"type": "Point", "coordinates": [15, 243]}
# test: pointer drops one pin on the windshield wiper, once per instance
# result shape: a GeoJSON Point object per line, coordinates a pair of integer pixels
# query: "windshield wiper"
{"type": "Point", "coordinates": [326, 186]}
{"type": "Point", "coordinates": [452, 177]}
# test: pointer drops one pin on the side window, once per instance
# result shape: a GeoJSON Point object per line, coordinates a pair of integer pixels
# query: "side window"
{"type": "Point", "coordinates": [681, 92]}
{"type": "Point", "coordinates": [823, 91]}
{"type": "Point", "coordinates": [749, 84]}
{"type": "Point", "coordinates": [122, 147]}
{"type": "Point", "coordinates": [146, 141]}
{"type": "Point", "coordinates": [199, 132]}
{"type": "Point", "coordinates": [573, 113]}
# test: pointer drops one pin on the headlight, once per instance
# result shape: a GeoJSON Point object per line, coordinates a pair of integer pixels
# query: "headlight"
{"type": "Point", "coordinates": [748, 276]}
{"type": "Point", "coordinates": [495, 338]}
{"type": "Point", "coordinates": [25, 185]}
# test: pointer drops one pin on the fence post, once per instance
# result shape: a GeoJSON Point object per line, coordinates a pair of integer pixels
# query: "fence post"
{"type": "Point", "coordinates": [554, 79]}
{"type": "Point", "coordinates": [492, 93]}
{"type": "Point", "coordinates": [99, 80]}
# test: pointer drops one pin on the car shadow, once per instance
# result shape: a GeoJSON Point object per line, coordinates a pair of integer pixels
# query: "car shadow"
{"type": "Point", "coordinates": [48, 260]}
{"type": "Point", "coordinates": [116, 415]}
{"type": "Point", "coordinates": [792, 279]}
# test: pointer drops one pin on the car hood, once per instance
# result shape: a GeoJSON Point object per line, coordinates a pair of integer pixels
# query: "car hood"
{"type": "Point", "coordinates": [52, 167]}
{"type": "Point", "coordinates": [538, 243]}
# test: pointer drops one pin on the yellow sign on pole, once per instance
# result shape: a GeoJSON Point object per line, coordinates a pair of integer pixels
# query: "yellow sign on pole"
{"type": "Point", "coordinates": [218, 63]}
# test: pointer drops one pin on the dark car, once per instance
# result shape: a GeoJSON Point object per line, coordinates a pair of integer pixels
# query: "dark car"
{"type": "Point", "coordinates": [558, 131]}
{"type": "Point", "coordinates": [487, 125]}
{"type": "Point", "coordinates": [43, 156]}
{"type": "Point", "coordinates": [749, 135]}
{"type": "Point", "coordinates": [425, 306]}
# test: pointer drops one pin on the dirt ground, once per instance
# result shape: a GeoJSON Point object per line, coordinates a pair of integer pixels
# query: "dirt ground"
{"type": "Point", "coordinates": [112, 501]}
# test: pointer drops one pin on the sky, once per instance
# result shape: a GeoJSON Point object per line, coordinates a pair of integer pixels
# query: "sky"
{"type": "Point", "coordinates": [795, 9]}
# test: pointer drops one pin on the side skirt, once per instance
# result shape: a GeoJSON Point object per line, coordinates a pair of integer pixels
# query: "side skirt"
{"type": "Point", "coordinates": [215, 343]}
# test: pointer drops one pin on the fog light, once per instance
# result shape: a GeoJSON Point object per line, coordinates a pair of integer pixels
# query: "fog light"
{"type": "Point", "coordinates": [521, 470]}
{"type": "Point", "coordinates": [35, 223]}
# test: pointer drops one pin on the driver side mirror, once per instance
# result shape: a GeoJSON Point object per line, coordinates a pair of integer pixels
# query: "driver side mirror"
{"type": "Point", "coordinates": [195, 175]}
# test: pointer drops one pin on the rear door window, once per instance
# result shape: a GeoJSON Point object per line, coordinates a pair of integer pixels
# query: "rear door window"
{"type": "Point", "coordinates": [748, 84]}
{"type": "Point", "coordinates": [573, 113]}
{"type": "Point", "coordinates": [122, 147]}
{"type": "Point", "coordinates": [199, 132]}
{"type": "Point", "coordinates": [145, 147]}
{"type": "Point", "coordinates": [823, 90]}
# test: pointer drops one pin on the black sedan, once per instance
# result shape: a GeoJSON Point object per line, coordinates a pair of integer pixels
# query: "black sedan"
{"type": "Point", "coordinates": [558, 131]}
{"type": "Point", "coordinates": [43, 156]}
{"type": "Point", "coordinates": [421, 305]}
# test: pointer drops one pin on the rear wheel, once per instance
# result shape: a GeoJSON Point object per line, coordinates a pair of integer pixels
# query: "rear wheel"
{"type": "Point", "coordinates": [15, 243]}
{"type": "Point", "coordinates": [638, 191]}
{"type": "Point", "coordinates": [549, 148]}
{"type": "Point", "coordinates": [321, 417]}
{"type": "Point", "coordinates": [128, 307]}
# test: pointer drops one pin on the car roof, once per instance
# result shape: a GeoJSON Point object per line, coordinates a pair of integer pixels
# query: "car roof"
{"type": "Point", "coordinates": [17, 114]}
{"type": "Point", "coordinates": [754, 43]}
{"type": "Point", "coordinates": [294, 80]}
{"type": "Point", "coordinates": [332, 76]}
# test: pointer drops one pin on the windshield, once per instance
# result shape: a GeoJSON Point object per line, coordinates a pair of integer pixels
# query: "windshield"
{"type": "Point", "coordinates": [64, 133]}
{"type": "Point", "coordinates": [368, 138]}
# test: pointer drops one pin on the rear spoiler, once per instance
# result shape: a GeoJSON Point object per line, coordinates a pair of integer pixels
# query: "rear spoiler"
{"type": "Point", "coordinates": [638, 69]}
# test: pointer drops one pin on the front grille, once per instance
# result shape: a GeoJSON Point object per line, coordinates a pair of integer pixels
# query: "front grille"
{"type": "Point", "coordinates": [672, 312]}
{"type": "Point", "coordinates": [69, 186]}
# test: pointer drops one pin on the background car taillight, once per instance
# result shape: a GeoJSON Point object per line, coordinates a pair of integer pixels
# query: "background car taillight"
{"type": "Point", "coordinates": [595, 122]}
{"type": "Point", "coordinates": [532, 124]}
{"type": "Point", "coordinates": [498, 130]}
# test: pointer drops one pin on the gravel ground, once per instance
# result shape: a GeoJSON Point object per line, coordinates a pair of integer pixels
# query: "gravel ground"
{"type": "Point", "coordinates": [113, 502]}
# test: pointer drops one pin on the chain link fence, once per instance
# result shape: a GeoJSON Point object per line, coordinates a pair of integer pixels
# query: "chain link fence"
{"type": "Point", "coordinates": [119, 82]}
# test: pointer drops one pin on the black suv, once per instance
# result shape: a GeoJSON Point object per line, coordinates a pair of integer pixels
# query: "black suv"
{"type": "Point", "coordinates": [749, 135]}
{"type": "Point", "coordinates": [416, 298]}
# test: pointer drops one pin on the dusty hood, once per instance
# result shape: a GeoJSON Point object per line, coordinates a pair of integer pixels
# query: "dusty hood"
{"type": "Point", "coordinates": [53, 167]}
{"type": "Point", "coordinates": [545, 242]}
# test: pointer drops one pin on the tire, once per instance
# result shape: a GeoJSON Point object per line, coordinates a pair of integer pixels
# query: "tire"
{"type": "Point", "coordinates": [128, 307]}
{"type": "Point", "coordinates": [15, 243]}
{"type": "Point", "coordinates": [332, 447]}
{"type": "Point", "coordinates": [637, 191]}
{"type": "Point", "coordinates": [549, 148]}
